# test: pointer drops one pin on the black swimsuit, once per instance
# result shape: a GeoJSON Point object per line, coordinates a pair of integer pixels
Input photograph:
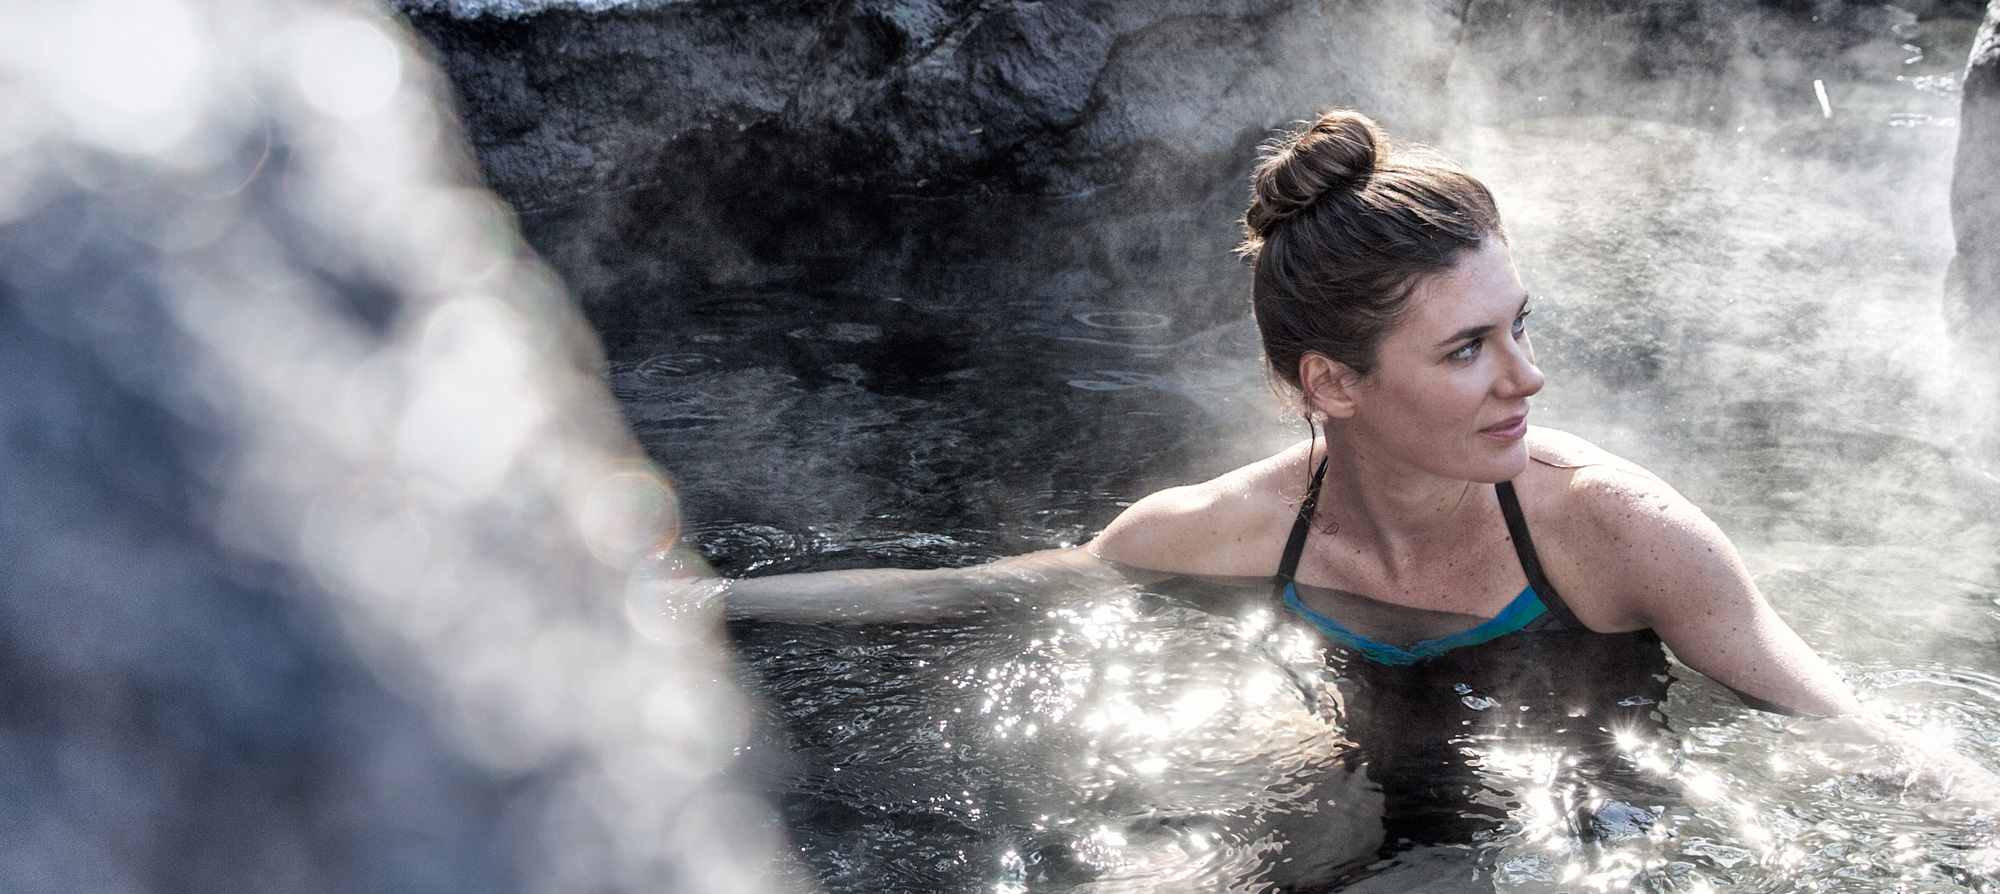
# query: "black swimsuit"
{"type": "Point", "coordinates": [1422, 714]}
{"type": "Point", "coordinates": [1538, 607]}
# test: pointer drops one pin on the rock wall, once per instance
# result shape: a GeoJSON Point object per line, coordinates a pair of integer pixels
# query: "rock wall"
{"type": "Point", "coordinates": [917, 97]}
{"type": "Point", "coordinates": [663, 154]}
{"type": "Point", "coordinates": [1975, 187]}
{"type": "Point", "coordinates": [681, 150]}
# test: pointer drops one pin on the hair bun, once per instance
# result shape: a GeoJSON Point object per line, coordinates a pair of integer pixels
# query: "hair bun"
{"type": "Point", "coordinates": [1339, 149]}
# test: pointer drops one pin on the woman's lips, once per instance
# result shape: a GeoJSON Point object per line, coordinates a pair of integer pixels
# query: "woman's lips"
{"type": "Point", "coordinates": [1511, 430]}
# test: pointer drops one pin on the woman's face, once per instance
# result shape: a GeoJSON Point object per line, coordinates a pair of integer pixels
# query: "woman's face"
{"type": "Point", "coordinates": [1449, 392]}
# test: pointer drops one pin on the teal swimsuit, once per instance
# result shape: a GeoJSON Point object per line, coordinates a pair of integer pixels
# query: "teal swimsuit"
{"type": "Point", "coordinates": [1538, 607]}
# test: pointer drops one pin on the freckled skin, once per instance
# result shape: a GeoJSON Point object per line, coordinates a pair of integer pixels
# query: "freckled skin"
{"type": "Point", "coordinates": [1412, 453]}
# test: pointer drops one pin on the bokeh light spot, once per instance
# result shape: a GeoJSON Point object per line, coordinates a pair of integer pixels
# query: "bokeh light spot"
{"type": "Point", "coordinates": [349, 69]}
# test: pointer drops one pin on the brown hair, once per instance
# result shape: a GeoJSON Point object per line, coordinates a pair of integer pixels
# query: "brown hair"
{"type": "Point", "coordinates": [1341, 226]}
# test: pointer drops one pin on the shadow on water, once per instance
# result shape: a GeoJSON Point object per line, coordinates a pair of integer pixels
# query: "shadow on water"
{"type": "Point", "coordinates": [1030, 363]}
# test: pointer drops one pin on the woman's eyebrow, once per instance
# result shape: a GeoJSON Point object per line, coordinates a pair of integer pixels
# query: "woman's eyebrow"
{"type": "Point", "coordinates": [1471, 332]}
{"type": "Point", "coordinates": [1467, 334]}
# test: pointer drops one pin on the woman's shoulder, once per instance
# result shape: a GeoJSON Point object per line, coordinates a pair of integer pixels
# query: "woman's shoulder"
{"type": "Point", "coordinates": [1607, 525]}
{"type": "Point", "coordinates": [1231, 526]}
{"type": "Point", "coordinates": [1573, 478]}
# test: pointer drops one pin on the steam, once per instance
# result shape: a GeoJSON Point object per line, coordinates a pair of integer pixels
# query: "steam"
{"type": "Point", "coordinates": [1740, 286]}
{"type": "Point", "coordinates": [320, 528]}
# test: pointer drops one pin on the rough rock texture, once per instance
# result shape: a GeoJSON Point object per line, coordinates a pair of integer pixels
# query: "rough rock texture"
{"type": "Point", "coordinates": [316, 523]}
{"type": "Point", "coordinates": [928, 97]}
{"type": "Point", "coordinates": [666, 154]}
{"type": "Point", "coordinates": [1975, 185]}
{"type": "Point", "coordinates": [673, 151]}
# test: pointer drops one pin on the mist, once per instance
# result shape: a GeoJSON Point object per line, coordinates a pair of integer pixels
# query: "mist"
{"type": "Point", "coordinates": [983, 320]}
{"type": "Point", "coordinates": [801, 282]}
{"type": "Point", "coordinates": [365, 363]}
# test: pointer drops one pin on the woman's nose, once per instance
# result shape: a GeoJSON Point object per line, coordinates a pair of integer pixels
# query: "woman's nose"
{"type": "Point", "coordinates": [1522, 378]}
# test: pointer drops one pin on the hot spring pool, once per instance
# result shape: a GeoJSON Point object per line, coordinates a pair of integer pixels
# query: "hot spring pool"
{"type": "Point", "coordinates": [1755, 316]}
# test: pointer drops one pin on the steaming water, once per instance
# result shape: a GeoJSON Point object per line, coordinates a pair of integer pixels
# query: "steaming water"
{"type": "Point", "coordinates": [1753, 312]}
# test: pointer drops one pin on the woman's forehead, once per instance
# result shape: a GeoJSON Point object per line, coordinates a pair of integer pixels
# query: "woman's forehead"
{"type": "Point", "coordinates": [1482, 287]}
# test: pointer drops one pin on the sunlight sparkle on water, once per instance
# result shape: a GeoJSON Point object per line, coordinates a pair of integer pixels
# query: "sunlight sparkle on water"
{"type": "Point", "coordinates": [1261, 687]}
{"type": "Point", "coordinates": [1195, 708]}
{"type": "Point", "coordinates": [1254, 623]}
{"type": "Point", "coordinates": [1703, 785]}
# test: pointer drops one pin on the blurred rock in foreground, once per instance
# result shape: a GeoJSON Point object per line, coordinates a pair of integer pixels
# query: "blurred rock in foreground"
{"type": "Point", "coordinates": [316, 523]}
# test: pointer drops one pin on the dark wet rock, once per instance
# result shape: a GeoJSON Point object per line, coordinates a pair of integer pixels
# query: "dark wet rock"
{"type": "Point", "coordinates": [663, 154]}
{"type": "Point", "coordinates": [315, 520]}
{"type": "Point", "coordinates": [928, 98]}
{"type": "Point", "coordinates": [1975, 185]}
{"type": "Point", "coordinates": [674, 150]}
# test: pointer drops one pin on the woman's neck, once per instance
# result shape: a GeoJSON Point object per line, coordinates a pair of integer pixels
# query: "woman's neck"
{"type": "Point", "coordinates": [1401, 513]}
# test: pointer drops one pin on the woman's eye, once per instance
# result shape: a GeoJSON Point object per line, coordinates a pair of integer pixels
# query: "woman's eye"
{"type": "Point", "coordinates": [1465, 352]}
{"type": "Point", "coordinates": [1521, 322]}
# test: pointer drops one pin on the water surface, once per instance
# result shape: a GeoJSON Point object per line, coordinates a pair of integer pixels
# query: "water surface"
{"type": "Point", "coordinates": [1754, 310]}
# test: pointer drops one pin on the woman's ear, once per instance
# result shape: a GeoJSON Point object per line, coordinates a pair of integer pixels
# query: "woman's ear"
{"type": "Point", "coordinates": [1329, 384]}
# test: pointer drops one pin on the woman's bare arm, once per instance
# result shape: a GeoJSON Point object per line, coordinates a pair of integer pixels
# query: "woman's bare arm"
{"type": "Point", "coordinates": [1663, 564]}
{"type": "Point", "coordinates": [1670, 568]}
{"type": "Point", "coordinates": [878, 595]}
{"type": "Point", "coordinates": [1209, 531]}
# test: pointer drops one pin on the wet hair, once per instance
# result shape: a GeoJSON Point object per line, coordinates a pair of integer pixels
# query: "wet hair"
{"type": "Point", "coordinates": [1341, 228]}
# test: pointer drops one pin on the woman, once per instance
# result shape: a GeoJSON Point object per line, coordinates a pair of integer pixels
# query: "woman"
{"type": "Point", "coordinates": [1387, 300]}
{"type": "Point", "coordinates": [1455, 558]}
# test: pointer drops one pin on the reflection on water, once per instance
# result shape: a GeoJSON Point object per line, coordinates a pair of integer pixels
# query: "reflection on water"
{"type": "Point", "coordinates": [1127, 742]}
{"type": "Point", "coordinates": [1137, 744]}
{"type": "Point", "coordinates": [1752, 311]}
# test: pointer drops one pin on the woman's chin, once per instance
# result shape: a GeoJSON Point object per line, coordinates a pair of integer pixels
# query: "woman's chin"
{"type": "Point", "coordinates": [1504, 465]}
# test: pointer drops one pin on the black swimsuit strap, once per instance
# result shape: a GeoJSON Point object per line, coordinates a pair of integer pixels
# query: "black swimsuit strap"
{"type": "Point", "coordinates": [1524, 548]}
{"type": "Point", "coordinates": [1296, 546]}
{"type": "Point", "coordinates": [1517, 530]}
